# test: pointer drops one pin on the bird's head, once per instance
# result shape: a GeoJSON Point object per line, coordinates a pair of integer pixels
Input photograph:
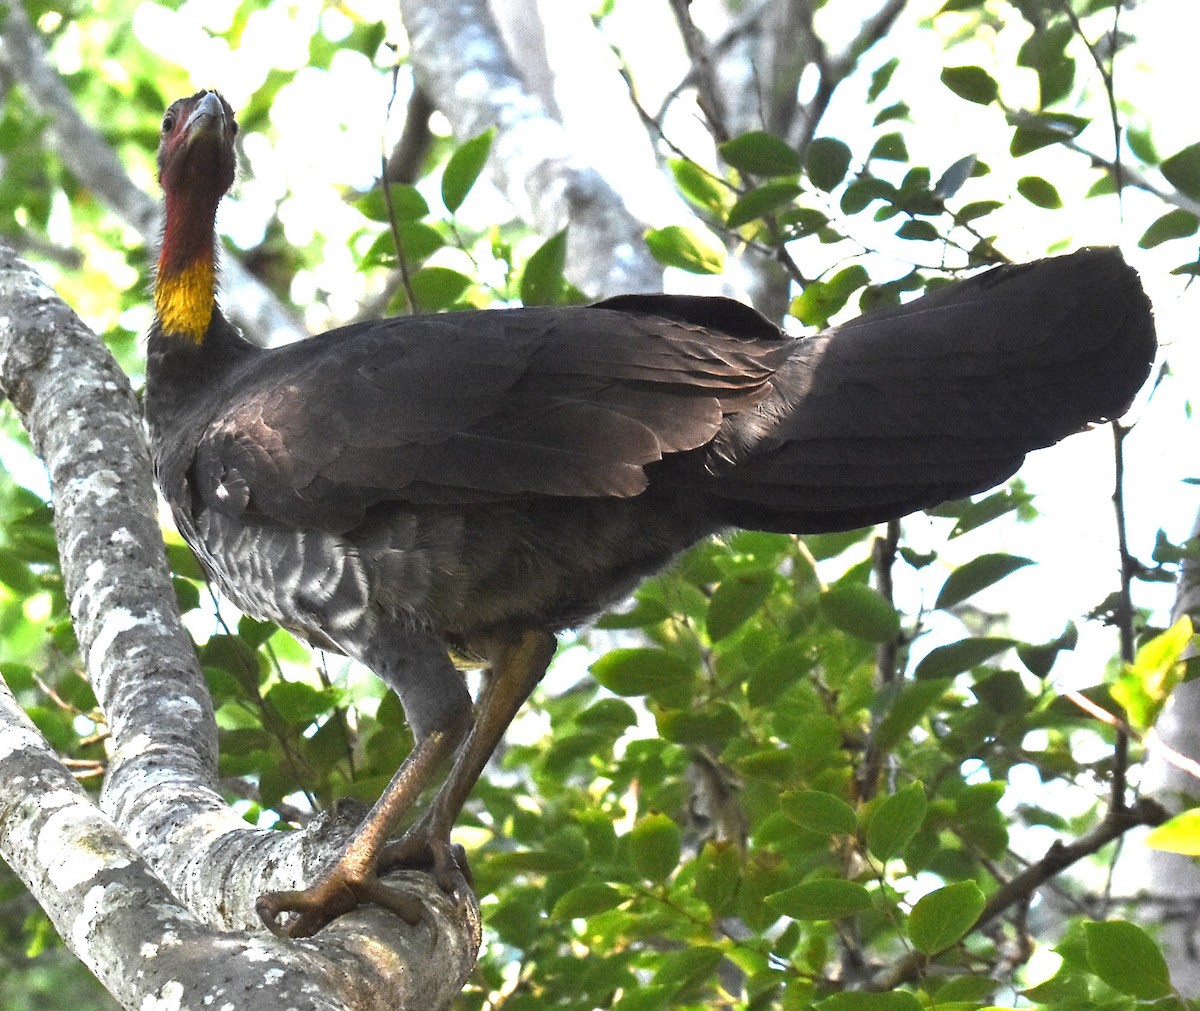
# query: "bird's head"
{"type": "Point", "coordinates": [196, 157]}
{"type": "Point", "coordinates": [196, 166]}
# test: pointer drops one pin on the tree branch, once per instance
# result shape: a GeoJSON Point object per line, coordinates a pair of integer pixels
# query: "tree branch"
{"type": "Point", "coordinates": [460, 60]}
{"type": "Point", "coordinates": [159, 797]}
{"type": "Point", "coordinates": [707, 93]}
{"type": "Point", "coordinates": [1019, 889]}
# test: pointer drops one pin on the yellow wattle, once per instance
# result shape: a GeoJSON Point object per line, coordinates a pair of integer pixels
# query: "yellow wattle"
{"type": "Point", "coordinates": [184, 299]}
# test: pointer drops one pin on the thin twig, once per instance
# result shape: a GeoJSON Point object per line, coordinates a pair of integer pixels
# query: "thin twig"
{"type": "Point", "coordinates": [1124, 615]}
{"type": "Point", "coordinates": [1106, 75]}
{"type": "Point", "coordinates": [404, 163]}
{"type": "Point", "coordinates": [394, 224]}
{"type": "Point", "coordinates": [1058, 858]}
{"type": "Point", "coordinates": [883, 561]}
{"type": "Point", "coordinates": [708, 94]}
{"type": "Point", "coordinates": [1151, 740]}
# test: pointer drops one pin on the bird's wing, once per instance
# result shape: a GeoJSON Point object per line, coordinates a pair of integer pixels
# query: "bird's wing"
{"type": "Point", "coordinates": [463, 407]}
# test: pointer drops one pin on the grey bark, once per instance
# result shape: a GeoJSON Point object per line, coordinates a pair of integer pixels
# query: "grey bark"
{"type": "Point", "coordinates": [154, 889]}
{"type": "Point", "coordinates": [461, 62]}
{"type": "Point", "coordinates": [1171, 874]}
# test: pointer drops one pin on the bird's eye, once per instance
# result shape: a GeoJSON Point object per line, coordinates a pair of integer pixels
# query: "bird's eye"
{"type": "Point", "coordinates": [168, 122]}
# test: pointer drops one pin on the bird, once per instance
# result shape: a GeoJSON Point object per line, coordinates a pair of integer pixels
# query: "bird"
{"type": "Point", "coordinates": [424, 492]}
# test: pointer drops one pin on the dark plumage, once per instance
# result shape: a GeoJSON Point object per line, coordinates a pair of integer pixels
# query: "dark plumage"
{"type": "Point", "coordinates": [477, 481]}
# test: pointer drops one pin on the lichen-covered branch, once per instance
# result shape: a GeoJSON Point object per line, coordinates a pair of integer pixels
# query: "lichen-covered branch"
{"type": "Point", "coordinates": [162, 829]}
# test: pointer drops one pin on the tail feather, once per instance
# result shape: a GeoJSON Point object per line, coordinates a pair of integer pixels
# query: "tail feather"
{"type": "Point", "coordinates": [939, 398]}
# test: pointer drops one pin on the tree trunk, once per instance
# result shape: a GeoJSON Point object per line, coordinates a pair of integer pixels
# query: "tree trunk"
{"type": "Point", "coordinates": [154, 889]}
{"type": "Point", "coordinates": [1171, 874]}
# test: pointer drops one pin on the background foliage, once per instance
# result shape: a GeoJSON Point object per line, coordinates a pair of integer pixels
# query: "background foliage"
{"type": "Point", "coordinates": [800, 767]}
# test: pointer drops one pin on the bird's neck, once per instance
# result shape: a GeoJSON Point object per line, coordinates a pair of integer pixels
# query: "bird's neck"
{"type": "Point", "coordinates": [185, 282]}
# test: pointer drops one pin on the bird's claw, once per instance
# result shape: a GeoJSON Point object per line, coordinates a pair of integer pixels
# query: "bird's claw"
{"type": "Point", "coordinates": [446, 861]}
{"type": "Point", "coordinates": [328, 898]}
{"type": "Point", "coordinates": [340, 890]}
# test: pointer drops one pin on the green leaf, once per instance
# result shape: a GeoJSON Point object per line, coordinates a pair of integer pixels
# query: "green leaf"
{"type": "Point", "coordinates": [827, 161]}
{"type": "Point", "coordinates": [532, 862]}
{"type": "Point", "coordinates": [645, 614]}
{"type": "Point", "coordinates": [977, 209]}
{"type": "Point", "coordinates": [654, 845]}
{"type": "Point", "coordinates": [762, 200]}
{"type": "Point", "coordinates": [972, 515]}
{"type": "Point", "coordinates": [586, 900]}
{"type": "Point", "coordinates": [972, 83]}
{"type": "Point", "coordinates": [1039, 657]}
{"type": "Point", "coordinates": [641, 998]}
{"type": "Point", "coordinates": [880, 78]}
{"type": "Point", "coordinates": [897, 110]}
{"type": "Point", "coordinates": [407, 203]}
{"type": "Point", "coordinates": [1044, 129]}
{"type": "Point", "coordinates": [713, 723]}
{"type": "Point", "coordinates": [860, 193]}
{"type": "Point", "coordinates": [1182, 170]}
{"type": "Point", "coordinates": [1127, 959]}
{"type": "Point", "coordinates": [958, 657]}
{"type": "Point", "coordinates": [955, 176]}
{"type": "Point", "coordinates": [608, 716]}
{"type": "Point", "coordinates": [646, 671]}
{"type": "Point", "coordinates": [860, 611]}
{"type": "Point", "coordinates": [890, 147]}
{"type": "Point", "coordinates": [910, 706]}
{"type": "Point", "coordinates": [676, 246]}
{"type": "Point", "coordinates": [701, 187]}
{"type": "Point", "coordinates": [819, 812]}
{"type": "Point", "coordinates": [417, 239]}
{"type": "Point", "coordinates": [1044, 51]}
{"type": "Point", "coordinates": [896, 820]}
{"type": "Point", "coordinates": [183, 562]}
{"type": "Point", "coordinates": [1176, 224]}
{"type": "Point", "coordinates": [299, 704]}
{"type": "Point", "coordinates": [1142, 144]}
{"type": "Point", "coordinates": [761, 154]}
{"type": "Point", "coordinates": [463, 168]}
{"type": "Point", "coordinates": [822, 299]}
{"type": "Point", "coordinates": [17, 576]}
{"type": "Point", "coordinates": [1147, 683]}
{"type": "Point", "coordinates": [542, 281]}
{"type": "Point", "coordinates": [1039, 192]}
{"type": "Point", "coordinates": [718, 874]}
{"type": "Point", "coordinates": [1180, 834]}
{"type": "Point", "coordinates": [978, 574]}
{"type": "Point", "coordinates": [436, 288]}
{"type": "Point", "coordinates": [734, 600]}
{"type": "Point", "coordinates": [897, 1000]}
{"type": "Point", "coordinates": [1067, 987]}
{"type": "Point", "coordinates": [945, 916]}
{"type": "Point", "coordinates": [827, 899]}
{"type": "Point", "coordinates": [920, 231]}
{"type": "Point", "coordinates": [691, 965]}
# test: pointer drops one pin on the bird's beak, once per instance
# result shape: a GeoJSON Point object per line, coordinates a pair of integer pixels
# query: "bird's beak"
{"type": "Point", "coordinates": [207, 119]}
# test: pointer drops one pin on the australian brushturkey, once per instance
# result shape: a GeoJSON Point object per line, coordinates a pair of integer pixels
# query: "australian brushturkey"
{"type": "Point", "coordinates": [470, 483]}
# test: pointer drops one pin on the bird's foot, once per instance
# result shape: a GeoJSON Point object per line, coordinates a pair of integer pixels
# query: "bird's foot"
{"type": "Point", "coordinates": [425, 848]}
{"type": "Point", "coordinates": [337, 891]}
{"type": "Point", "coordinates": [343, 887]}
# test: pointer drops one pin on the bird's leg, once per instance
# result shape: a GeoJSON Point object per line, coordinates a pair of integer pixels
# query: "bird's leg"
{"type": "Point", "coordinates": [438, 708]}
{"type": "Point", "coordinates": [516, 668]}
